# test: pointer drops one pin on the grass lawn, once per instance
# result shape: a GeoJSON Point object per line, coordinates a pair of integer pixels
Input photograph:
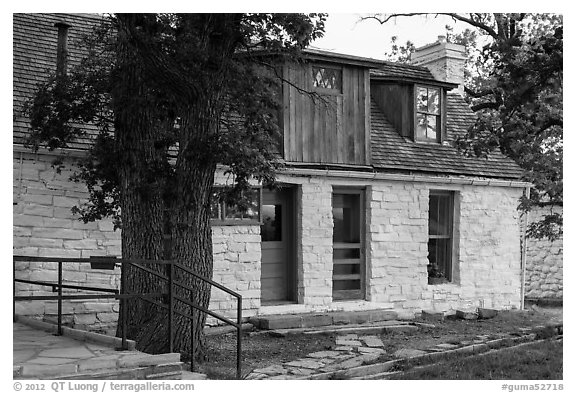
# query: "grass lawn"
{"type": "Point", "coordinates": [259, 349]}
{"type": "Point", "coordinates": [540, 360]}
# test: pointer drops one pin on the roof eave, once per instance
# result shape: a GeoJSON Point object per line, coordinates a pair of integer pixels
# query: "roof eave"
{"type": "Point", "coordinates": [396, 79]}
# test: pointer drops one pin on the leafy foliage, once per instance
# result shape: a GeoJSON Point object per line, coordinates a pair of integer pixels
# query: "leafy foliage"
{"type": "Point", "coordinates": [514, 83]}
{"type": "Point", "coordinates": [178, 65]}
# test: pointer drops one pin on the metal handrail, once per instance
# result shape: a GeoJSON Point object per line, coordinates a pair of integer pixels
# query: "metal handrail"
{"type": "Point", "coordinates": [148, 297]}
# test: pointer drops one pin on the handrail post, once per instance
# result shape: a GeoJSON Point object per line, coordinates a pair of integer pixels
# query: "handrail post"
{"type": "Point", "coordinates": [13, 290]}
{"type": "Point", "coordinates": [239, 339]}
{"type": "Point", "coordinates": [192, 338]}
{"type": "Point", "coordinates": [59, 298]}
{"type": "Point", "coordinates": [170, 307]}
{"type": "Point", "coordinates": [123, 303]}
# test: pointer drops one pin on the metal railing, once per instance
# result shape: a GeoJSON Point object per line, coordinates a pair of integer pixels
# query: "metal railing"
{"type": "Point", "coordinates": [172, 298]}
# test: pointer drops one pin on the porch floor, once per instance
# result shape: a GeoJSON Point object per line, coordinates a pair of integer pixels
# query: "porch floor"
{"type": "Point", "coordinates": [40, 354]}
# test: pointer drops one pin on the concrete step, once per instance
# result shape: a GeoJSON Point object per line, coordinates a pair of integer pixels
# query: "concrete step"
{"type": "Point", "coordinates": [309, 320]}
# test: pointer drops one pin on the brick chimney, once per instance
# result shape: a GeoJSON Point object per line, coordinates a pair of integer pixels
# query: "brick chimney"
{"type": "Point", "coordinates": [444, 60]}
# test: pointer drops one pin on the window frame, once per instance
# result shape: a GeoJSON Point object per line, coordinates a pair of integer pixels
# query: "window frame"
{"type": "Point", "coordinates": [324, 90]}
{"type": "Point", "coordinates": [440, 116]}
{"type": "Point", "coordinates": [449, 266]}
{"type": "Point", "coordinates": [223, 221]}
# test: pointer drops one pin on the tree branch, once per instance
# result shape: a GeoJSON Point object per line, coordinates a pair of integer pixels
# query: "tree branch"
{"type": "Point", "coordinates": [482, 26]}
{"type": "Point", "coordinates": [485, 105]}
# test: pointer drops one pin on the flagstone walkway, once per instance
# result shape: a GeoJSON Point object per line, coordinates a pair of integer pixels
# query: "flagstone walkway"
{"type": "Point", "coordinates": [356, 350]}
{"type": "Point", "coordinates": [40, 354]}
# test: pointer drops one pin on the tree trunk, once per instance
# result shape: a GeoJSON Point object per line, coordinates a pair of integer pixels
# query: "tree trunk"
{"type": "Point", "coordinates": [141, 193]}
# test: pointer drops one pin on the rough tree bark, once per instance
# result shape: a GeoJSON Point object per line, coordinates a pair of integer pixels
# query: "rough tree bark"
{"type": "Point", "coordinates": [199, 108]}
{"type": "Point", "coordinates": [141, 194]}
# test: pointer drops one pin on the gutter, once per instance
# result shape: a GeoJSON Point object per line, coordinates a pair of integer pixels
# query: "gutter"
{"type": "Point", "coordinates": [523, 253]}
{"type": "Point", "coordinates": [334, 173]}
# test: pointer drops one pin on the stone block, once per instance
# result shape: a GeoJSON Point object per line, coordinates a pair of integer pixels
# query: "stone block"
{"type": "Point", "coordinates": [466, 314]}
{"type": "Point", "coordinates": [486, 313]}
{"type": "Point", "coordinates": [372, 341]}
{"type": "Point", "coordinates": [432, 315]}
{"type": "Point", "coordinates": [408, 353]}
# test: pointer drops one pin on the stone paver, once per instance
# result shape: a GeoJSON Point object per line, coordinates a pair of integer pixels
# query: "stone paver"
{"type": "Point", "coordinates": [324, 354]}
{"type": "Point", "coordinates": [408, 353]}
{"type": "Point", "coordinates": [354, 343]}
{"type": "Point", "coordinates": [447, 346]}
{"type": "Point", "coordinates": [371, 350]}
{"type": "Point", "coordinates": [353, 354]}
{"type": "Point", "coordinates": [305, 363]}
{"type": "Point", "coordinates": [39, 354]}
{"type": "Point", "coordinates": [373, 341]}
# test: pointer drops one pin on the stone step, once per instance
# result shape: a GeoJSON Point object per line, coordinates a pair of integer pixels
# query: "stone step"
{"type": "Point", "coordinates": [193, 376]}
{"type": "Point", "coordinates": [310, 320]}
{"type": "Point", "coordinates": [382, 327]}
{"type": "Point", "coordinates": [129, 365]}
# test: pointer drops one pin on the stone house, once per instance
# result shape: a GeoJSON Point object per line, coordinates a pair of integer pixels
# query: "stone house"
{"type": "Point", "coordinates": [378, 210]}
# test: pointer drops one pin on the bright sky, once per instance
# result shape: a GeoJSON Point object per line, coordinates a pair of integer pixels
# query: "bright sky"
{"type": "Point", "coordinates": [345, 33]}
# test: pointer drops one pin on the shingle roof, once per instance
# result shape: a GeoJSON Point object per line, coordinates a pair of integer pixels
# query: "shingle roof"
{"type": "Point", "coordinates": [399, 70]}
{"type": "Point", "coordinates": [34, 41]}
{"type": "Point", "coordinates": [390, 151]}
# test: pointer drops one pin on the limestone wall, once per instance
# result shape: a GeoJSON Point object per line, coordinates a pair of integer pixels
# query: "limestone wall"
{"type": "Point", "coordinates": [486, 251]}
{"type": "Point", "coordinates": [544, 265]}
{"type": "Point", "coordinates": [43, 225]}
{"type": "Point", "coordinates": [486, 247]}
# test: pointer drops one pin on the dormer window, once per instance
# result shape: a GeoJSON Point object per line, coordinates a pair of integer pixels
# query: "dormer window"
{"type": "Point", "coordinates": [327, 79]}
{"type": "Point", "coordinates": [428, 125]}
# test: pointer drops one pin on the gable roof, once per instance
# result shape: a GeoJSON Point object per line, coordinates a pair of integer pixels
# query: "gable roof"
{"type": "Point", "coordinates": [391, 151]}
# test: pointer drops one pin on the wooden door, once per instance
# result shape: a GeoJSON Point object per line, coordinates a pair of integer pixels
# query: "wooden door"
{"type": "Point", "coordinates": [348, 278]}
{"type": "Point", "coordinates": [278, 266]}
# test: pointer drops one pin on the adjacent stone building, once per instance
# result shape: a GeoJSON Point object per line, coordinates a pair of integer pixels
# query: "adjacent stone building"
{"type": "Point", "coordinates": [544, 264]}
{"type": "Point", "coordinates": [377, 210]}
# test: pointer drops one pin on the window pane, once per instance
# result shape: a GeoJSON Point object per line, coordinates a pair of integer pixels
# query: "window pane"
{"type": "Point", "coordinates": [327, 78]}
{"type": "Point", "coordinates": [250, 207]}
{"type": "Point", "coordinates": [439, 215]}
{"type": "Point", "coordinates": [434, 101]}
{"type": "Point", "coordinates": [253, 211]}
{"type": "Point", "coordinates": [431, 127]}
{"type": "Point", "coordinates": [439, 256]}
{"type": "Point", "coordinates": [422, 99]}
{"type": "Point", "coordinates": [421, 126]}
{"type": "Point", "coordinates": [346, 218]}
{"type": "Point", "coordinates": [271, 228]}
{"type": "Point", "coordinates": [215, 207]}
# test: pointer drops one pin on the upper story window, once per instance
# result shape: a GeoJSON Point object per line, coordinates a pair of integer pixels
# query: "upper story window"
{"type": "Point", "coordinates": [327, 79]}
{"type": "Point", "coordinates": [428, 116]}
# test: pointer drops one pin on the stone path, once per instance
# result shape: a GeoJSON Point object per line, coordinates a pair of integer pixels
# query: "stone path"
{"type": "Point", "coordinates": [354, 350]}
{"type": "Point", "coordinates": [38, 354]}
{"type": "Point", "coordinates": [351, 350]}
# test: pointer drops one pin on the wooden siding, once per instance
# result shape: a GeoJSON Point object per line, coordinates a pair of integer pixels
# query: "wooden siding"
{"type": "Point", "coordinates": [331, 130]}
{"type": "Point", "coordinates": [397, 103]}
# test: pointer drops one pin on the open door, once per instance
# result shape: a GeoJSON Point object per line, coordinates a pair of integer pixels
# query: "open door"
{"type": "Point", "coordinates": [348, 279]}
{"type": "Point", "coordinates": [278, 256]}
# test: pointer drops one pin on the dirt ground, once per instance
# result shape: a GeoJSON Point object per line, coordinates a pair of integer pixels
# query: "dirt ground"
{"type": "Point", "coordinates": [260, 349]}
